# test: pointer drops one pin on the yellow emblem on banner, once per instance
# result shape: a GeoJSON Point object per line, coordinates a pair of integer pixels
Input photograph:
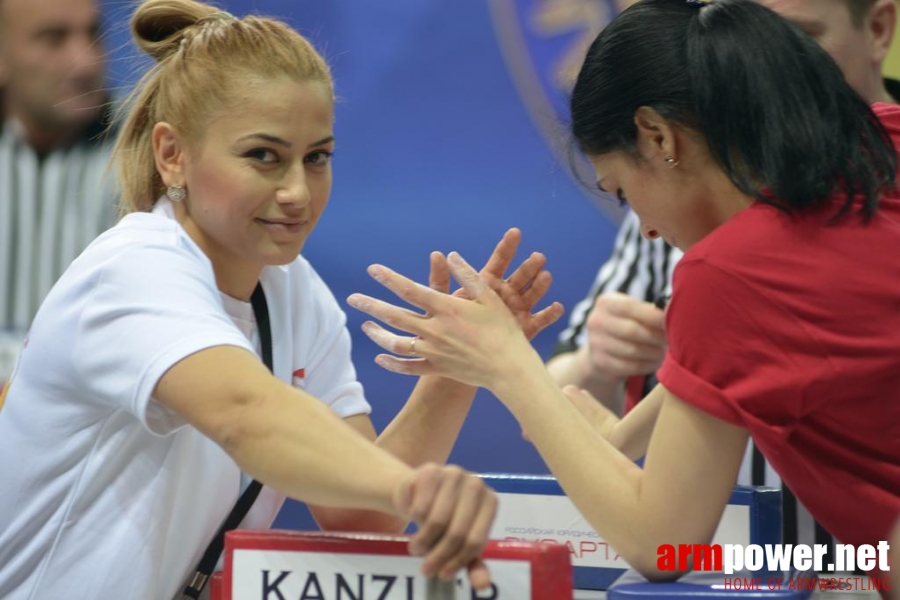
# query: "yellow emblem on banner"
{"type": "Point", "coordinates": [4, 389]}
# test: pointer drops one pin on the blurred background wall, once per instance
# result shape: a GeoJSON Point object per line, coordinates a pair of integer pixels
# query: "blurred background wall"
{"type": "Point", "coordinates": [892, 63]}
{"type": "Point", "coordinates": [449, 131]}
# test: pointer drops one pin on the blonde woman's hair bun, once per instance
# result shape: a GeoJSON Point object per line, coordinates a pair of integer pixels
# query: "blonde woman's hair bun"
{"type": "Point", "coordinates": [159, 26]}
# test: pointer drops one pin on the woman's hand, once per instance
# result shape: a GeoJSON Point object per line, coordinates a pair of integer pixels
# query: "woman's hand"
{"type": "Point", "coordinates": [477, 341]}
{"type": "Point", "coordinates": [521, 291]}
{"type": "Point", "coordinates": [454, 510]}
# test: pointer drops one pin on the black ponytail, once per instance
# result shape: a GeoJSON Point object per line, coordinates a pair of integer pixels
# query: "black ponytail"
{"type": "Point", "coordinates": [773, 106]}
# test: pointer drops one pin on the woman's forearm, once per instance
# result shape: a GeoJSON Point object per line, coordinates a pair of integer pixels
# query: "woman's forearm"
{"type": "Point", "coordinates": [573, 368]}
{"type": "Point", "coordinates": [426, 428]}
{"type": "Point", "coordinates": [678, 497]}
{"type": "Point", "coordinates": [603, 483]}
{"type": "Point", "coordinates": [631, 435]}
{"type": "Point", "coordinates": [423, 431]}
{"type": "Point", "coordinates": [300, 447]}
{"type": "Point", "coordinates": [278, 434]}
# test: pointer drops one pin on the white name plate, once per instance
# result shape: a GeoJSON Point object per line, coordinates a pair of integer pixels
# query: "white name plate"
{"type": "Point", "coordinates": [287, 565]}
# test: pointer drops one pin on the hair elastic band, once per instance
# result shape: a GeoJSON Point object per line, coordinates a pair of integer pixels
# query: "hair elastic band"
{"type": "Point", "coordinates": [217, 16]}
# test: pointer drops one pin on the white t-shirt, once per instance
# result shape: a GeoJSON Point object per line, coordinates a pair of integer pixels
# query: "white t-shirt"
{"type": "Point", "coordinates": [104, 492]}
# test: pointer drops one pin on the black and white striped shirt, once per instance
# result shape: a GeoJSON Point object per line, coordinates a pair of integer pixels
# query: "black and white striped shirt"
{"type": "Point", "coordinates": [638, 267]}
{"type": "Point", "coordinates": [51, 207]}
{"type": "Point", "coordinates": [643, 268]}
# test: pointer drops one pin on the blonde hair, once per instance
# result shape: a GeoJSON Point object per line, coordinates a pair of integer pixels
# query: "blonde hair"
{"type": "Point", "coordinates": [204, 59]}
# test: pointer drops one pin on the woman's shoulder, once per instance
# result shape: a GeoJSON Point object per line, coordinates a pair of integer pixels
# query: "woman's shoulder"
{"type": "Point", "coordinates": [146, 243]}
{"type": "Point", "coordinates": [145, 231]}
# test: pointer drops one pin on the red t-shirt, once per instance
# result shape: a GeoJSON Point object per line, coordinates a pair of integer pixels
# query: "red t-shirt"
{"type": "Point", "coordinates": [790, 328]}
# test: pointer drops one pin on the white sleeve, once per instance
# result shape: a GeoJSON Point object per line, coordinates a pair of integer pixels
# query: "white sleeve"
{"type": "Point", "coordinates": [150, 308]}
{"type": "Point", "coordinates": [331, 376]}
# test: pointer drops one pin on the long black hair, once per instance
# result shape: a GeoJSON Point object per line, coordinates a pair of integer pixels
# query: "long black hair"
{"type": "Point", "coordinates": [773, 106]}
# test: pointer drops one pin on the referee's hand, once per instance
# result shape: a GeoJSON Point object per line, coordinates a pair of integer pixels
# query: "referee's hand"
{"type": "Point", "coordinates": [625, 336]}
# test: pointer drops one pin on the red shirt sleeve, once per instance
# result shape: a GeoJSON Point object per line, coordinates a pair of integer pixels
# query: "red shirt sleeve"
{"type": "Point", "coordinates": [732, 352]}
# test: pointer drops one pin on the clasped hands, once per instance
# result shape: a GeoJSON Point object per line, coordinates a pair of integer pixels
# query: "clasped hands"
{"type": "Point", "coordinates": [470, 335]}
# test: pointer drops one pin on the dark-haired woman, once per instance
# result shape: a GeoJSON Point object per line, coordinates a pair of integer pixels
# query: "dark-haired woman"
{"type": "Point", "coordinates": [735, 137]}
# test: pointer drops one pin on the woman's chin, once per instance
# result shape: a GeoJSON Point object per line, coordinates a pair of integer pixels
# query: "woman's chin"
{"type": "Point", "coordinates": [282, 260]}
{"type": "Point", "coordinates": [279, 256]}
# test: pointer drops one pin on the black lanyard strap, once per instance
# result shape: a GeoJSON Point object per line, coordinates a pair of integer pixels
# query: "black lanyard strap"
{"type": "Point", "coordinates": [261, 313]}
{"type": "Point", "coordinates": [242, 506]}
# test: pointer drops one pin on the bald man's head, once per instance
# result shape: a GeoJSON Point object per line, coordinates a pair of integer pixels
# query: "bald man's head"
{"type": "Point", "coordinates": [856, 33]}
{"type": "Point", "coordinates": [52, 62]}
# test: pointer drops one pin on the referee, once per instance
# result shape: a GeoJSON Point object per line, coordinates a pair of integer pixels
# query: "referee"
{"type": "Point", "coordinates": [53, 149]}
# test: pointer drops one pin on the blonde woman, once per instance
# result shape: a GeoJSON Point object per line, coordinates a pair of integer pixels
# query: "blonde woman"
{"type": "Point", "coordinates": [140, 411]}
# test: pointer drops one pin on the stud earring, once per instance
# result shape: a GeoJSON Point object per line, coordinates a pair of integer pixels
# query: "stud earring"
{"type": "Point", "coordinates": [176, 193]}
{"type": "Point", "coordinates": [671, 161]}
